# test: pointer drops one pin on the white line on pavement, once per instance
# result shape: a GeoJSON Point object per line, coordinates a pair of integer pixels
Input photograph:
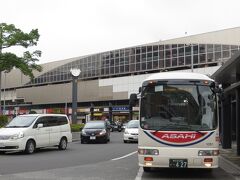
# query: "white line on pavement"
{"type": "Point", "coordinates": [139, 174]}
{"type": "Point", "coordinates": [124, 156]}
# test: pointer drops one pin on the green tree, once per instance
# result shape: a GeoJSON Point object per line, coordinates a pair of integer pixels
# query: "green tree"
{"type": "Point", "coordinates": [10, 36]}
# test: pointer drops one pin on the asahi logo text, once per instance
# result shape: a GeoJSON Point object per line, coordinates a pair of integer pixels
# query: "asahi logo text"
{"type": "Point", "coordinates": [178, 136]}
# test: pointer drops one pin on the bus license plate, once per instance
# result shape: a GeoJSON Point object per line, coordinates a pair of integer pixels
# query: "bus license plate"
{"type": "Point", "coordinates": [178, 163]}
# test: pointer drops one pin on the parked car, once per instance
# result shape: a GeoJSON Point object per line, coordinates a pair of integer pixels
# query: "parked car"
{"type": "Point", "coordinates": [131, 131]}
{"type": "Point", "coordinates": [95, 131]}
{"type": "Point", "coordinates": [28, 132]}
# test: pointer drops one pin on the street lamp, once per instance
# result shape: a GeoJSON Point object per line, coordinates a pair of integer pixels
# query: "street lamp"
{"type": "Point", "coordinates": [75, 73]}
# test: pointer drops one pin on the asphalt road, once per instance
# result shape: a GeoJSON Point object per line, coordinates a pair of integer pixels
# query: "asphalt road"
{"type": "Point", "coordinates": [111, 161]}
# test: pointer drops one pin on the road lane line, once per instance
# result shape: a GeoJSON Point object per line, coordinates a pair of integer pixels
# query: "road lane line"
{"type": "Point", "coordinates": [122, 157]}
{"type": "Point", "coordinates": [139, 174]}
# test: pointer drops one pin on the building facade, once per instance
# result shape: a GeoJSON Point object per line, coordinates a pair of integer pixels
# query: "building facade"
{"type": "Point", "coordinates": [107, 79]}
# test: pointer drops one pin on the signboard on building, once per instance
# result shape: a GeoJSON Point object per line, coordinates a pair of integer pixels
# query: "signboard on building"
{"type": "Point", "coordinates": [120, 108]}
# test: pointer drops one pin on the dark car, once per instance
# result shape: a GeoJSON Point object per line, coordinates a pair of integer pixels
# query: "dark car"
{"type": "Point", "coordinates": [95, 131]}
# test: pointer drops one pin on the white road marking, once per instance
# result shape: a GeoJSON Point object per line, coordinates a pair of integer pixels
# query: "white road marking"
{"type": "Point", "coordinates": [124, 156]}
{"type": "Point", "coordinates": [139, 174]}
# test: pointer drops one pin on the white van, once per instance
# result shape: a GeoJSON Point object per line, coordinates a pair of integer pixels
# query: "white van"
{"type": "Point", "coordinates": [28, 132]}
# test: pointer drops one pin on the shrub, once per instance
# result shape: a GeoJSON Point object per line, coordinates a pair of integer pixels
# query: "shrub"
{"type": "Point", "coordinates": [76, 127]}
{"type": "Point", "coordinates": [3, 120]}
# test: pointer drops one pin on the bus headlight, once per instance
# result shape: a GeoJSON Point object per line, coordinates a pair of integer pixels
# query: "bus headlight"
{"type": "Point", "coordinates": [148, 151]}
{"type": "Point", "coordinates": [208, 152]}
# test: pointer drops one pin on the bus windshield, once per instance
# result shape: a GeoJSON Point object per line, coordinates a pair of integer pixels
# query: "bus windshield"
{"type": "Point", "coordinates": [173, 107]}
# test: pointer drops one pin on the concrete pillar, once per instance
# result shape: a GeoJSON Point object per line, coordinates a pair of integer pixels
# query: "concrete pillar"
{"type": "Point", "coordinates": [238, 120]}
{"type": "Point", "coordinates": [226, 123]}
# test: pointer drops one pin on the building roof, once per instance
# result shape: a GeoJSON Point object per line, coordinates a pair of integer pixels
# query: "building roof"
{"type": "Point", "coordinates": [229, 73]}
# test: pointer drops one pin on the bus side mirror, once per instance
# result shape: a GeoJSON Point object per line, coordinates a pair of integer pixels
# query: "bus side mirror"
{"type": "Point", "coordinates": [140, 89]}
{"type": "Point", "coordinates": [133, 99]}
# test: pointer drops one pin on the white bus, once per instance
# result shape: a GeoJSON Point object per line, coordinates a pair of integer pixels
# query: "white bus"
{"type": "Point", "coordinates": [178, 121]}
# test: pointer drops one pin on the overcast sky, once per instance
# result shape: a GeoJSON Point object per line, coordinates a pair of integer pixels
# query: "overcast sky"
{"type": "Point", "coordinates": [71, 28]}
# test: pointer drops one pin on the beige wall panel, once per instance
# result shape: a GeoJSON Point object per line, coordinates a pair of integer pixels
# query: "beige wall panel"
{"type": "Point", "coordinates": [105, 93]}
{"type": "Point", "coordinates": [57, 93]}
{"type": "Point", "coordinates": [88, 90]}
{"type": "Point", "coordinates": [120, 95]}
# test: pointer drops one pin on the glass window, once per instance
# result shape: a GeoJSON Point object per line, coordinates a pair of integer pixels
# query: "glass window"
{"type": "Point", "coordinates": [195, 49]}
{"type": "Point", "coordinates": [132, 59]}
{"type": "Point", "coordinates": [138, 65]}
{"type": "Point", "coordinates": [180, 61]}
{"type": "Point", "coordinates": [188, 50]}
{"type": "Point", "coordinates": [116, 61]}
{"type": "Point", "coordinates": [132, 67]}
{"type": "Point", "coordinates": [138, 50]}
{"type": "Point", "coordinates": [116, 69]}
{"type": "Point", "coordinates": [149, 65]}
{"type": "Point", "coordinates": [174, 52]}
{"type": "Point", "coordinates": [126, 68]}
{"type": "Point", "coordinates": [143, 66]}
{"type": "Point", "coordinates": [155, 48]}
{"type": "Point", "coordinates": [195, 59]}
{"type": "Point", "coordinates": [21, 122]}
{"type": "Point", "coordinates": [138, 58]}
{"type": "Point", "coordinates": [225, 47]}
{"type": "Point", "coordinates": [116, 54]}
{"type": "Point", "coordinates": [121, 69]}
{"type": "Point", "coordinates": [188, 60]}
{"type": "Point", "coordinates": [202, 58]}
{"type": "Point", "coordinates": [168, 54]}
{"type": "Point", "coordinates": [149, 57]}
{"type": "Point", "coordinates": [161, 47]}
{"type": "Point", "coordinates": [210, 57]}
{"type": "Point", "coordinates": [112, 70]}
{"type": "Point", "coordinates": [161, 64]}
{"type": "Point", "coordinates": [226, 54]}
{"type": "Point", "coordinates": [181, 51]}
{"type": "Point", "coordinates": [217, 56]}
{"type": "Point", "coordinates": [143, 49]}
{"type": "Point", "coordinates": [149, 49]}
{"type": "Point", "coordinates": [178, 108]}
{"type": "Point", "coordinates": [174, 62]}
{"type": "Point", "coordinates": [161, 54]}
{"type": "Point", "coordinates": [167, 46]}
{"type": "Point", "coordinates": [217, 47]}
{"type": "Point", "coordinates": [202, 48]}
{"type": "Point", "coordinates": [155, 64]}
{"type": "Point", "coordinates": [143, 57]}
{"type": "Point", "coordinates": [168, 62]}
{"type": "Point", "coordinates": [234, 47]}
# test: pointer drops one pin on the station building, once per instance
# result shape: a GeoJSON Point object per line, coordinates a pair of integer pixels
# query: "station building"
{"type": "Point", "coordinates": [108, 78]}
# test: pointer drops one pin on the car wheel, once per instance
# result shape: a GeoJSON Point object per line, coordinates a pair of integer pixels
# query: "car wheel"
{"type": "Point", "coordinates": [147, 169]}
{"type": "Point", "coordinates": [30, 147]}
{"type": "Point", "coordinates": [125, 141]}
{"type": "Point", "coordinates": [63, 144]}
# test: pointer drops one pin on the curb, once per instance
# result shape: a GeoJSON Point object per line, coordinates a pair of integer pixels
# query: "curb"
{"type": "Point", "coordinates": [228, 166]}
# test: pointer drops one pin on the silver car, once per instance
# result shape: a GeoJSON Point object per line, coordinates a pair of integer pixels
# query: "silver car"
{"type": "Point", "coordinates": [131, 131]}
